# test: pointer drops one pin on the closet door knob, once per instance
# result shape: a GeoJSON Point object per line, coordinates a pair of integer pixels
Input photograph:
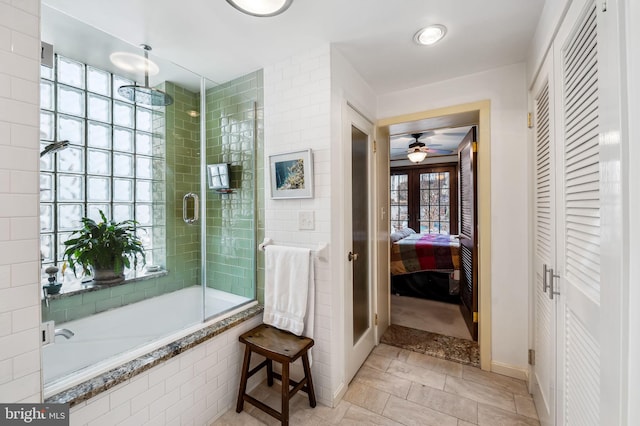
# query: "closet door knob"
{"type": "Point", "coordinates": [352, 256]}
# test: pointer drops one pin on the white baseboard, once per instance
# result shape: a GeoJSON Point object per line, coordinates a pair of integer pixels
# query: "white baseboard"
{"type": "Point", "coordinates": [510, 370]}
{"type": "Point", "coordinates": [338, 395]}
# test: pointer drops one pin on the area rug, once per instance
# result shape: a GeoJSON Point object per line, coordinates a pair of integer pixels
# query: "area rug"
{"type": "Point", "coordinates": [439, 346]}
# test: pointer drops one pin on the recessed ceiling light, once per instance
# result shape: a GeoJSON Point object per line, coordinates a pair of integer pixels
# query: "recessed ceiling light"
{"type": "Point", "coordinates": [261, 7]}
{"type": "Point", "coordinates": [430, 35]}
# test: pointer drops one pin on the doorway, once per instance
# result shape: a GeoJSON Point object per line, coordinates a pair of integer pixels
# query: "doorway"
{"type": "Point", "coordinates": [360, 297]}
{"type": "Point", "coordinates": [475, 113]}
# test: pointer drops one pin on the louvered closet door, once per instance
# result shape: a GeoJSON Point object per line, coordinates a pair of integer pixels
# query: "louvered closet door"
{"type": "Point", "coordinates": [578, 267]}
{"type": "Point", "coordinates": [543, 372]}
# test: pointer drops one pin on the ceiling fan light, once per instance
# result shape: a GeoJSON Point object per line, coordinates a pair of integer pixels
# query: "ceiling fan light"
{"type": "Point", "coordinates": [430, 35]}
{"type": "Point", "coordinates": [261, 8]}
{"type": "Point", "coordinates": [417, 154]}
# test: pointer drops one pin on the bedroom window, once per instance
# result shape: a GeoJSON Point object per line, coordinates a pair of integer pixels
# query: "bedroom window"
{"type": "Point", "coordinates": [425, 199]}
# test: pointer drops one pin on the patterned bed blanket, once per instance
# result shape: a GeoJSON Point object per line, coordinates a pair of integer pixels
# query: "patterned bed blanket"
{"type": "Point", "coordinates": [425, 252]}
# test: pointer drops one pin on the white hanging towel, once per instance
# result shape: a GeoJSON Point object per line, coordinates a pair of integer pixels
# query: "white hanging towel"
{"type": "Point", "coordinates": [289, 290]}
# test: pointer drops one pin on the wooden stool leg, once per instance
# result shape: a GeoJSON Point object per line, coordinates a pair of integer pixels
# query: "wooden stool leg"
{"type": "Point", "coordinates": [243, 379]}
{"type": "Point", "coordinates": [285, 394]}
{"type": "Point", "coordinates": [269, 372]}
{"type": "Point", "coordinates": [307, 374]}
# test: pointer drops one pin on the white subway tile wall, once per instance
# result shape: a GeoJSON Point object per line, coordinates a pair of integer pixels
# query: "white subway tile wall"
{"type": "Point", "coordinates": [192, 388]}
{"type": "Point", "coordinates": [19, 128]}
{"type": "Point", "coordinates": [297, 116]}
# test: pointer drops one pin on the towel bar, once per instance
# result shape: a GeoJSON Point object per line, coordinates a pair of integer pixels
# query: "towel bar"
{"type": "Point", "coordinates": [321, 252]}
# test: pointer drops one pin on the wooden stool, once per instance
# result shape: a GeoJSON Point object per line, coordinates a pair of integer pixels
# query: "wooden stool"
{"type": "Point", "coordinates": [283, 347]}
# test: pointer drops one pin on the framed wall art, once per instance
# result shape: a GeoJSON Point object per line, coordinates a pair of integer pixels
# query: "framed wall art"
{"type": "Point", "coordinates": [291, 175]}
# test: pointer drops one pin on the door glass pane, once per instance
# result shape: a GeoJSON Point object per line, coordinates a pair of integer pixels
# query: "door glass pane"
{"type": "Point", "coordinates": [399, 202]}
{"type": "Point", "coordinates": [360, 229]}
{"type": "Point", "coordinates": [435, 217]}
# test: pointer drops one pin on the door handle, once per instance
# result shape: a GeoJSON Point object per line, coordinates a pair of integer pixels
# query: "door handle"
{"type": "Point", "coordinates": [196, 208]}
{"type": "Point", "coordinates": [352, 256]}
{"type": "Point", "coordinates": [545, 284]}
{"type": "Point", "coordinates": [552, 277]}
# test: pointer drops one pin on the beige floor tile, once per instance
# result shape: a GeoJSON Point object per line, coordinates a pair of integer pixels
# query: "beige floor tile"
{"type": "Point", "coordinates": [417, 374]}
{"type": "Point", "coordinates": [436, 364]}
{"type": "Point", "coordinates": [378, 362]}
{"type": "Point", "coordinates": [409, 413]}
{"type": "Point", "coordinates": [332, 415]}
{"type": "Point", "coordinates": [391, 352]}
{"type": "Point", "coordinates": [454, 405]}
{"type": "Point", "coordinates": [515, 386]}
{"type": "Point", "coordinates": [383, 381]}
{"type": "Point", "coordinates": [526, 406]}
{"type": "Point", "coordinates": [465, 423]}
{"type": "Point", "coordinates": [231, 418]}
{"type": "Point", "coordinates": [367, 397]}
{"type": "Point", "coordinates": [481, 393]}
{"type": "Point", "coordinates": [359, 416]}
{"type": "Point", "coordinates": [492, 416]}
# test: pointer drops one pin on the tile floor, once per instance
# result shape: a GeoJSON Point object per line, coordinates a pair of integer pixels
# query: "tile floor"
{"type": "Point", "coordinates": [429, 315]}
{"type": "Point", "coordinates": [399, 387]}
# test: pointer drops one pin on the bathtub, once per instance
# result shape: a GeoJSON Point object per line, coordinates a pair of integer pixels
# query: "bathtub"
{"type": "Point", "coordinates": [111, 338]}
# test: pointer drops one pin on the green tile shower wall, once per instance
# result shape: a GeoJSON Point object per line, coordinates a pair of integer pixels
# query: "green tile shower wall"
{"type": "Point", "coordinates": [234, 121]}
{"type": "Point", "coordinates": [231, 256]}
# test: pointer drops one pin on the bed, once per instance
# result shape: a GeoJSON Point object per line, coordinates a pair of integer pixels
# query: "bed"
{"type": "Point", "coordinates": [425, 265]}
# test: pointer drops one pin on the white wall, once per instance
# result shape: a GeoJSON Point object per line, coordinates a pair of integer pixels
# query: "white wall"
{"type": "Point", "coordinates": [303, 99]}
{"type": "Point", "coordinates": [506, 89]}
{"type": "Point", "coordinates": [552, 13]}
{"type": "Point", "coordinates": [296, 117]}
{"type": "Point", "coordinates": [631, 292]}
{"type": "Point", "coordinates": [20, 379]}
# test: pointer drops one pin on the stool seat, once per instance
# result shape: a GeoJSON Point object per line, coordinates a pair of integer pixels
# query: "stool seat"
{"type": "Point", "coordinates": [283, 347]}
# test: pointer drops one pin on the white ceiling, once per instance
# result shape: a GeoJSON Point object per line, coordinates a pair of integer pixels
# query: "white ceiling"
{"type": "Point", "coordinates": [215, 40]}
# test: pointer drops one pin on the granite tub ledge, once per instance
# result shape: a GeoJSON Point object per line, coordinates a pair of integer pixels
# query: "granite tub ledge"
{"type": "Point", "coordinates": [96, 385]}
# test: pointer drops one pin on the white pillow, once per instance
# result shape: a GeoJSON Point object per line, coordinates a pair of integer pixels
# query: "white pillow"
{"type": "Point", "coordinates": [396, 236]}
{"type": "Point", "coordinates": [407, 231]}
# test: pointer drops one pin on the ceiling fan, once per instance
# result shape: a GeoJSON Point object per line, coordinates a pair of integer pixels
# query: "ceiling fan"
{"type": "Point", "coordinates": [418, 150]}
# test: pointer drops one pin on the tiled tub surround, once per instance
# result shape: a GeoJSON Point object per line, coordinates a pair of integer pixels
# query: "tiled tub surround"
{"type": "Point", "coordinates": [92, 339]}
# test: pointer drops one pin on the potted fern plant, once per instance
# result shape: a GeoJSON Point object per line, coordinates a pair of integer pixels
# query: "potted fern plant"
{"type": "Point", "coordinates": [104, 249]}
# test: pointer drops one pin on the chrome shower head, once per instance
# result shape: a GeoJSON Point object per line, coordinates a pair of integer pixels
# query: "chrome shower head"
{"type": "Point", "coordinates": [145, 95]}
{"type": "Point", "coordinates": [54, 147]}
